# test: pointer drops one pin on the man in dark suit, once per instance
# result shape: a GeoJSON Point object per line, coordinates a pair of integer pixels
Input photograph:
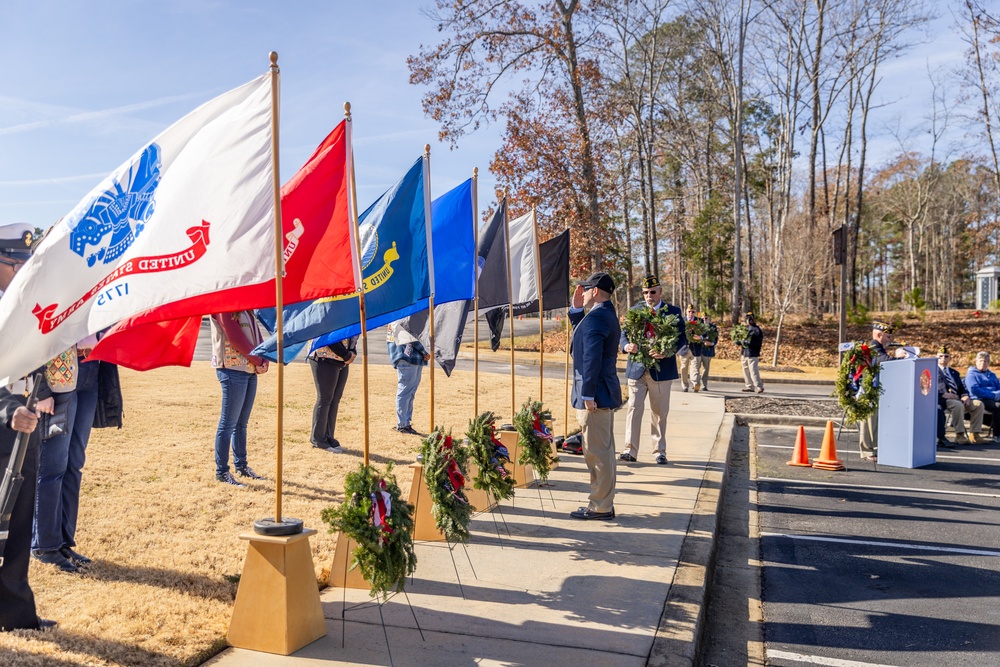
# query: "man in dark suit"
{"type": "Point", "coordinates": [596, 390]}
{"type": "Point", "coordinates": [644, 381]}
{"type": "Point", "coordinates": [17, 602]}
{"type": "Point", "coordinates": [956, 403]}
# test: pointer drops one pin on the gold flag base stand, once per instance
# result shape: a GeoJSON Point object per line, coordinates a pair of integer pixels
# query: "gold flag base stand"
{"type": "Point", "coordinates": [424, 527]}
{"type": "Point", "coordinates": [519, 471]}
{"type": "Point", "coordinates": [277, 607]}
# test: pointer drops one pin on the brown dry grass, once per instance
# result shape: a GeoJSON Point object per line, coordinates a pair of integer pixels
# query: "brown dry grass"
{"type": "Point", "coordinates": [163, 533]}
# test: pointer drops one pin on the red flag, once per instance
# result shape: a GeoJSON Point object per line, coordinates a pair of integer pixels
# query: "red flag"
{"type": "Point", "coordinates": [316, 226]}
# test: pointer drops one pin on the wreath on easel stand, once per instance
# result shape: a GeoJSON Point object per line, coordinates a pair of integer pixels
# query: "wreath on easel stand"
{"type": "Point", "coordinates": [378, 520]}
{"type": "Point", "coordinates": [857, 388]}
{"type": "Point", "coordinates": [444, 460]}
{"type": "Point", "coordinates": [489, 454]}
{"type": "Point", "coordinates": [535, 438]}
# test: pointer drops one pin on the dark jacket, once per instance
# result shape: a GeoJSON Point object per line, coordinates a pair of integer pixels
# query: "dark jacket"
{"type": "Point", "coordinates": [110, 406]}
{"type": "Point", "coordinates": [668, 367]}
{"type": "Point", "coordinates": [879, 354]}
{"type": "Point", "coordinates": [949, 381]}
{"type": "Point", "coordinates": [595, 356]}
{"type": "Point", "coordinates": [752, 348]}
{"type": "Point", "coordinates": [709, 350]}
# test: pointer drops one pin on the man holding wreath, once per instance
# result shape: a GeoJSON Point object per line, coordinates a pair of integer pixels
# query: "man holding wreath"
{"type": "Point", "coordinates": [652, 379]}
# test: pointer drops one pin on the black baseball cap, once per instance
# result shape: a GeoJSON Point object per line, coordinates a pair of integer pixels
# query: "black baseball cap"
{"type": "Point", "coordinates": [601, 281]}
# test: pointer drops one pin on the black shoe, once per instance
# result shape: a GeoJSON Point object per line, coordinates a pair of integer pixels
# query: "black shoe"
{"type": "Point", "coordinates": [54, 557]}
{"type": "Point", "coordinates": [625, 456]}
{"type": "Point", "coordinates": [945, 444]}
{"type": "Point", "coordinates": [587, 513]}
{"type": "Point", "coordinates": [407, 430]}
{"type": "Point", "coordinates": [661, 459]}
{"type": "Point", "coordinates": [45, 624]}
{"type": "Point", "coordinates": [227, 478]}
{"type": "Point", "coordinates": [74, 557]}
{"type": "Point", "coordinates": [247, 471]}
{"type": "Point", "coordinates": [748, 390]}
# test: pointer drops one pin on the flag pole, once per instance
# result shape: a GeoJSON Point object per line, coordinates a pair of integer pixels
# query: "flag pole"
{"type": "Point", "coordinates": [358, 280]}
{"type": "Point", "coordinates": [569, 337]}
{"type": "Point", "coordinates": [279, 270]}
{"type": "Point", "coordinates": [475, 294]}
{"type": "Point", "coordinates": [510, 305]}
{"type": "Point", "coordinates": [430, 267]}
{"type": "Point", "coordinates": [541, 322]}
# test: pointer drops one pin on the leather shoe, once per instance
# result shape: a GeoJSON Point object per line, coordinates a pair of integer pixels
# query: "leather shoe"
{"type": "Point", "coordinates": [54, 558]}
{"type": "Point", "coordinates": [625, 456]}
{"type": "Point", "coordinates": [962, 439]}
{"type": "Point", "coordinates": [74, 557]}
{"type": "Point", "coordinates": [587, 513]}
{"type": "Point", "coordinates": [945, 444]}
{"type": "Point", "coordinates": [45, 624]}
{"type": "Point", "coordinates": [661, 459]}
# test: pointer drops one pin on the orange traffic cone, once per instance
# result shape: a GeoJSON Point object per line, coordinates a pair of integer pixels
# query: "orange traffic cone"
{"type": "Point", "coordinates": [800, 457]}
{"type": "Point", "coordinates": [828, 452]}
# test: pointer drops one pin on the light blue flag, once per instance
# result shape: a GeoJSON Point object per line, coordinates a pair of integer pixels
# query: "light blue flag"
{"type": "Point", "coordinates": [393, 265]}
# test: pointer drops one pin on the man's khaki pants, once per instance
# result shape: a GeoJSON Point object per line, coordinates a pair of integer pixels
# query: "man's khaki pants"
{"type": "Point", "coordinates": [706, 362]}
{"type": "Point", "coordinates": [868, 435]}
{"type": "Point", "coordinates": [751, 372]}
{"type": "Point", "coordinates": [659, 404]}
{"type": "Point", "coordinates": [599, 454]}
{"type": "Point", "coordinates": [688, 370]}
{"type": "Point", "coordinates": [956, 412]}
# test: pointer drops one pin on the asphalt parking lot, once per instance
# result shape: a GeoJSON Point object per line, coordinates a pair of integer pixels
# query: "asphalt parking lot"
{"type": "Point", "coordinates": [877, 565]}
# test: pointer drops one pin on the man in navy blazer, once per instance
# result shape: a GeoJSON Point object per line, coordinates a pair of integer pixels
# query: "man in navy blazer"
{"type": "Point", "coordinates": [644, 381]}
{"type": "Point", "coordinates": [596, 390]}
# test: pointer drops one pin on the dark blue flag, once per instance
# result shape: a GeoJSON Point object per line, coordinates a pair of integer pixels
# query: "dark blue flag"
{"type": "Point", "coordinates": [394, 267]}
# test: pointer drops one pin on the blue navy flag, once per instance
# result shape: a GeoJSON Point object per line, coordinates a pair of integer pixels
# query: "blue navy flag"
{"type": "Point", "coordinates": [394, 266]}
{"type": "Point", "coordinates": [454, 239]}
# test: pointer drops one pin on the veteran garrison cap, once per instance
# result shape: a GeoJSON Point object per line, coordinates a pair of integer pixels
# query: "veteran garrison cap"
{"type": "Point", "coordinates": [650, 282]}
{"type": "Point", "coordinates": [16, 239]}
{"type": "Point", "coordinates": [944, 350]}
{"type": "Point", "coordinates": [878, 325]}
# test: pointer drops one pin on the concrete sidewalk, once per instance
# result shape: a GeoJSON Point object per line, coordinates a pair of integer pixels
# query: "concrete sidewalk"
{"type": "Point", "coordinates": [555, 591]}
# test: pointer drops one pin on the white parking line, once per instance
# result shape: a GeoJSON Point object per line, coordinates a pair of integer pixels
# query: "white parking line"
{"type": "Point", "coordinates": [878, 488]}
{"type": "Point", "coordinates": [940, 456]}
{"type": "Point", "coordinates": [820, 660]}
{"type": "Point", "coordinates": [895, 545]}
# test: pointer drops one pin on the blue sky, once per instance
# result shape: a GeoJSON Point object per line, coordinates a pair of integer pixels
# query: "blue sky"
{"type": "Point", "coordinates": [85, 85]}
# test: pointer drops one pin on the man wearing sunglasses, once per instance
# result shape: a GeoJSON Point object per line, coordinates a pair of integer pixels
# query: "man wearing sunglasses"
{"type": "Point", "coordinates": [956, 402]}
{"type": "Point", "coordinates": [644, 381]}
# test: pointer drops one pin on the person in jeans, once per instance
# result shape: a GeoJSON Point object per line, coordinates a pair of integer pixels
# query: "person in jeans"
{"type": "Point", "coordinates": [750, 356]}
{"type": "Point", "coordinates": [407, 356]}
{"type": "Point", "coordinates": [234, 336]}
{"type": "Point", "coordinates": [330, 365]}
{"type": "Point", "coordinates": [60, 470]}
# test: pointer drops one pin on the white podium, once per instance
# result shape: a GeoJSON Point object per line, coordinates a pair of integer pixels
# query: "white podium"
{"type": "Point", "coordinates": [907, 413]}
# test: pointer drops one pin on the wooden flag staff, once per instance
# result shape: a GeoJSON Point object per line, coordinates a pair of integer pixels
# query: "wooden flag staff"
{"type": "Point", "coordinates": [569, 337]}
{"type": "Point", "coordinates": [475, 295]}
{"type": "Point", "coordinates": [430, 269]}
{"type": "Point", "coordinates": [510, 306]}
{"type": "Point", "coordinates": [277, 607]}
{"type": "Point", "coordinates": [541, 322]}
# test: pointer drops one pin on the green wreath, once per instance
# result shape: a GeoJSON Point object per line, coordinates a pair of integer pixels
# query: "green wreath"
{"type": "Point", "coordinates": [857, 388]}
{"type": "Point", "coordinates": [444, 460]}
{"type": "Point", "coordinates": [489, 454]}
{"type": "Point", "coordinates": [740, 335]}
{"type": "Point", "coordinates": [696, 331]}
{"type": "Point", "coordinates": [535, 438]}
{"type": "Point", "coordinates": [378, 520]}
{"type": "Point", "coordinates": [652, 332]}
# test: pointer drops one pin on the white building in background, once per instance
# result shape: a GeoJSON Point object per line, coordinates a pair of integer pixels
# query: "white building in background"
{"type": "Point", "coordinates": [987, 281]}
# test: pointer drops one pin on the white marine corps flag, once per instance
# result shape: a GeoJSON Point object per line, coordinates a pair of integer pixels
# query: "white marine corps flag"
{"type": "Point", "coordinates": [191, 213]}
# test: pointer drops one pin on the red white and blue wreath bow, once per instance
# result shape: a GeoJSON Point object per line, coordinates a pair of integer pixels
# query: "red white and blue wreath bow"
{"type": "Point", "coordinates": [541, 431]}
{"type": "Point", "coordinates": [499, 452]}
{"type": "Point", "coordinates": [456, 480]}
{"type": "Point", "coordinates": [381, 508]}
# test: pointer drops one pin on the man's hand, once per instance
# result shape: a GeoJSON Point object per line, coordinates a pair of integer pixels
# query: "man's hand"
{"type": "Point", "coordinates": [46, 405]}
{"type": "Point", "coordinates": [966, 401]}
{"type": "Point", "coordinates": [948, 395]}
{"type": "Point", "coordinates": [578, 296]}
{"type": "Point", "coordinates": [24, 420]}
{"type": "Point", "coordinates": [427, 357]}
{"type": "Point", "coordinates": [590, 405]}
{"type": "Point", "coordinates": [657, 355]}
{"type": "Point", "coordinates": [900, 353]}
{"type": "Point", "coordinates": [631, 348]}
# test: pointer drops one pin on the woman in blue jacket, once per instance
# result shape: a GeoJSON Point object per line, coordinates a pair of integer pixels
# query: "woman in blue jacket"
{"type": "Point", "coordinates": [983, 384]}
